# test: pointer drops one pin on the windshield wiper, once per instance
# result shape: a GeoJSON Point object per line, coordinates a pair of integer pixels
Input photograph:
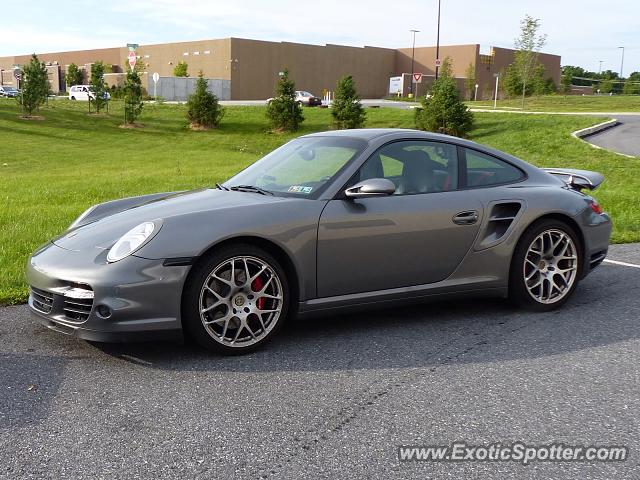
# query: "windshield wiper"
{"type": "Point", "coordinates": [219, 186]}
{"type": "Point", "coordinates": [250, 188]}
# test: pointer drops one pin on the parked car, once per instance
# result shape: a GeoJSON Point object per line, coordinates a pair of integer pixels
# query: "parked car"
{"type": "Point", "coordinates": [83, 92]}
{"type": "Point", "coordinates": [304, 98]}
{"type": "Point", "coordinates": [308, 99]}
{"type": "Point", "coordinates": [331, 221]}
{"type": "Point", "coordinates": [8, 91]}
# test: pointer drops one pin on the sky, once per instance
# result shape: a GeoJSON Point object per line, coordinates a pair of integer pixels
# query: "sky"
{"type": "Point", "coordinates": [583, 33]}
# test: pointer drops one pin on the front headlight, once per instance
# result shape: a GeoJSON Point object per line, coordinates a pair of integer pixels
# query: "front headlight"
{"type": "Point", "coordinates": [133, 240]}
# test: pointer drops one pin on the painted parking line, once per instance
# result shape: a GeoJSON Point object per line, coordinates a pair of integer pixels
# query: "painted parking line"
{"type": "Point", "coordinates": [623, 264]}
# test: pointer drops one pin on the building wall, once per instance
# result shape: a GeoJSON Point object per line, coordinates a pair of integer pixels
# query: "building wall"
{"type": "Point", "coordinates": [255, 67]}
{"type": "Point", "coordinates": [252, 66]}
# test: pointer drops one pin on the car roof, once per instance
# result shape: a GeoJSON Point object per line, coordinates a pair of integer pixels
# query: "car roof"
{"type": "Point", "coordinates": [374, 133]}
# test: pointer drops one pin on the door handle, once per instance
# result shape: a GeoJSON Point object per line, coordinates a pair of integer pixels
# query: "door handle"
{"type": "Point", "coordinates": [468, 217]}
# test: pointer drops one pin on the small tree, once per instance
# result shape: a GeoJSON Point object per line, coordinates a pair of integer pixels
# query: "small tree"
{"type": "Point", "coordinates": [132, 92]}
{"type": "Point", "coordinates": [631, 87]}
{"type": "Point", "coordinates": [283, 112]}
{"type": "Point", "coordinates": [98, 87]}
{"type": "Point", "coordinates": [443, 112]}
{"type": "Point", "coordinates": [470, 80]}
{"type": "Point", "coordinates": [565, 82]}
{"type": "Point", "coordinates": [347, 111]}
{"type": "Point", "coordinates": [606, 86]}
{"type": "Point", "coordinates": [180, 70]}
{"type": "Point", "coordinates": [203, 108]}
{"type": "Point", "coordinates": [35, 86]}
{"type": "Point", "coordinates": [73, 76]}
{"type": "Point", "coordinates": [528, 46]}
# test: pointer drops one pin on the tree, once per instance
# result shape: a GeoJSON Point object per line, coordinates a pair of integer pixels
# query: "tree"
{"type": "Point", "coordinates": [631, 87]}
{"type": "Point", "coordinates": [97, 86]}
{"type": "Point", "coordinates": [470, 81]}
{"type": "Point", "coordinates": [180, 70]}
{"type": "Point", "coordinates": [283, 112]}
{"type": "Point", "coordinates": [35, 86]}
{"type": "Point", "coordinates": [528, 46]}
{"type": "Point", "coordinates": [347, 111]}
{"type": "Point", "coordinates": [132, 97]}
{"type": "Point", "coordinates": [444, 112]}
{"type": "Point", "coordinates": [566, 82]}
{"type": "Point", "coordinates": [606, 86]}
{"type": "Point", "coordinates": [511, 82]}
{"type": "Point", "coordinates": [203, 108]}
{"type": "Point", "coordinates": [73, 76]}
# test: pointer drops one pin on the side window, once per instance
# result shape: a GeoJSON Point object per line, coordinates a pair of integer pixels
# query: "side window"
{"type": "Point", "coordinates": [484, 170]}
{"type": "Point", "coordinates": [414, 166]}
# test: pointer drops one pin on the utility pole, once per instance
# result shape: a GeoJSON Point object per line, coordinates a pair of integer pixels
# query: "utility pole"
{"type": "Point", "coordinates": [438, 41]}
{"type": "Point", "coordinates": [621, 62]}
{"type": "Point", "coordinates": [413, 53]}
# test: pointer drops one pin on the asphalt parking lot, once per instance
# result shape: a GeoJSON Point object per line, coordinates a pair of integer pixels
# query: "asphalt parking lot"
{"type": "Point", "coordinates": [624, 138]}
{"type": "Point", "coordinates": [334, 397]}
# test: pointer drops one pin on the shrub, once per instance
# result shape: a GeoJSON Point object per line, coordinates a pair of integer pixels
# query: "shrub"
{"type": "Point", "coordinates": [443, 112]}
{"type": "Point", "coordinates": [133, 93]}
{"type": "Point", "coordinates": [347, 110]}
{"type": "Point", "coordinates": [180, 70]}
{"type": "Point", "coordinates": [283, 112]}
{"type": "Point", "coordinates": [203, 108]}
{"type": "Point", "coordinates": [35, 86]}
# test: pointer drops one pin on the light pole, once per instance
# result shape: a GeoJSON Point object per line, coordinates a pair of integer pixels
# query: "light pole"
{"type": "Point", "coordinates": [475, 97]}
{"type": "Point", "coordinates": [413, 52]}
{"type": "Point", "coordinates": [438, 42]}
{"type": "Point", "coordinates": [621, 62]}
{"type": "Point", "coordinates": [600, 67]}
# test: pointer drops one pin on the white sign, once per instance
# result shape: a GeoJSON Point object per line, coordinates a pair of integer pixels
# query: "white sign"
{"type": "Point", "coordinates": [156, 77]}
{"type": "Point", "coordinates": [132, 59]}
{"type": "Point", "coordinates": [395, 85]}
{"type": "Point", "coordinates": [17, 74]}
{"type": "Point", "coordinates": [438, 62]}
{"type": "Point", "coordinates": [417, 78]}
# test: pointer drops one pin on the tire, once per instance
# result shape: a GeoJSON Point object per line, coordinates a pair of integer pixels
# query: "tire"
{"type": "Point", "coordinates": [73, 98]}
{"type": "Point", "coordinates": [230, 307]}
{"type": "Point", "coordinates": [545, 281]}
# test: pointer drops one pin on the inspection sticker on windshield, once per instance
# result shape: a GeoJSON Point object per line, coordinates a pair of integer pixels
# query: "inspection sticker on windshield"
{"type": "Point", "coordinates": [300, 189]}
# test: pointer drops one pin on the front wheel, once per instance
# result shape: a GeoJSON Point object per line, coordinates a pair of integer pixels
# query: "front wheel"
{"type": "Point", "coordinates": [545, 266]}
{"type": "Point", "coordinates": [236, 300]}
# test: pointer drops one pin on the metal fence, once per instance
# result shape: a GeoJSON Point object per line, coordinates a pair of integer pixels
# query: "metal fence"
{"type": "Point", "coordinates": [179, 88]}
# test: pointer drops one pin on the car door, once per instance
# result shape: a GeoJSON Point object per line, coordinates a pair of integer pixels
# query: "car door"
{"type": "Point", "coordinates": [416, 236]}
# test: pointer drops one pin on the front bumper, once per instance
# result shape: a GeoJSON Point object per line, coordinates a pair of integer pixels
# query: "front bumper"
{"type": "Point", "coordinates": [141, 297]}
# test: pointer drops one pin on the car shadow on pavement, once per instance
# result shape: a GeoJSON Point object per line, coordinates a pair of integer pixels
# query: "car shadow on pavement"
{"type": "Point", "coordinates": [432, 334]}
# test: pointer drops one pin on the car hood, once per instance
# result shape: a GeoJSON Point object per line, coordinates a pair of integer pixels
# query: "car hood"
{"type": "Point", "coordinates": [104, 232]}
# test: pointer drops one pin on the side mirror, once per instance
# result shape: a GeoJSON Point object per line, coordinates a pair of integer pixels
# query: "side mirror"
{"type": "Point", "coordinates": [374, 187]}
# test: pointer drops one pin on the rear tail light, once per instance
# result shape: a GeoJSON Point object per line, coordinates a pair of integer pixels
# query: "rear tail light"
{"type": "Point", "coordinates": [595, 206]}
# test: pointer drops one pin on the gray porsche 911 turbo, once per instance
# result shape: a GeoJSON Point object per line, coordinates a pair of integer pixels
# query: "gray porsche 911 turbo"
{"type": "Point", "coordinates": [327, 222]}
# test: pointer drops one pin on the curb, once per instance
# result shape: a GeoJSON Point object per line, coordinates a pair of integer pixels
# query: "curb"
{"type": "Point", "coordinates": [601, 127]}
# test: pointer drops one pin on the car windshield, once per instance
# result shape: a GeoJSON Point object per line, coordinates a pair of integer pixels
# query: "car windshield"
{"type": "Point", "coordinates": [9, 89]}
{"type": "Point", "coordinates": [302, 167]}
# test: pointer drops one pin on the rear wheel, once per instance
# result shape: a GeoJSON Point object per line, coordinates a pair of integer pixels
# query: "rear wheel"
{"type": "Point", "coordinates": [236, 299]}
{"type": "Point", "coordinates": [545, 266]}
{"type": "Point", "coordinates": [73, 98]}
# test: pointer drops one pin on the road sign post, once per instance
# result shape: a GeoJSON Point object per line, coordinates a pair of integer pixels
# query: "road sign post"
{"type": "Point", "coordinates": [132, 59]}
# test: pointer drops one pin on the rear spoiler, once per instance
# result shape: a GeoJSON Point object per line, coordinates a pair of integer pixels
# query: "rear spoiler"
{"type": "Point", "coordinates": [577, 179]}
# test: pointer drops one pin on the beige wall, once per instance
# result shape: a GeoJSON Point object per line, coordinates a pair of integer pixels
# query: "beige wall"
{"type": "Point", "coordinates": [255, 67]}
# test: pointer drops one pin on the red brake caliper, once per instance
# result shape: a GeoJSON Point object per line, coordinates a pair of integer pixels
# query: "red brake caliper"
{"type": "Point", "coordinates": [256, 286]}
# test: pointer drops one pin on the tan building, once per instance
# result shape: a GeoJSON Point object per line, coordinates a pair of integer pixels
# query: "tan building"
{"type": "Point", "coordinates": [252, 66]}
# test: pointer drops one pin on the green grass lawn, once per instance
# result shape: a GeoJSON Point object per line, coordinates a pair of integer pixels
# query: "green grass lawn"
{"type": "Point", "coordinates": [568, 103]}
{"type": "Point", "coordinates": [53, 169]}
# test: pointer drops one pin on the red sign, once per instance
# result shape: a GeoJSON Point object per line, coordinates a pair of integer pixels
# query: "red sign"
{"type": "Point", "coordinates": [132, 59]}
{"type": "Point", "coordinates": [417, 78]}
